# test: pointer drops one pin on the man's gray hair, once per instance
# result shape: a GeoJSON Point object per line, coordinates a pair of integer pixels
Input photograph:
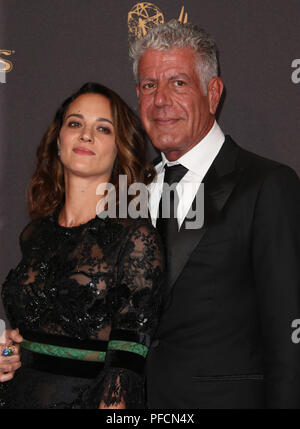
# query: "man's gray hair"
{"type": "Point", "coordinates": [173, 34]}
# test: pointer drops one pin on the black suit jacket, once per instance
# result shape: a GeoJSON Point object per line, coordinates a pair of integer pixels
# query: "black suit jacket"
{"type": "Point", "coordinates": [225, 338]}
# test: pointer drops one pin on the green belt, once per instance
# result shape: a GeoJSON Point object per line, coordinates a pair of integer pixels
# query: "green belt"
{"type": "Point", "coordinates": [64, 352]}
{"type": "Point", "coordinates": [87, 355]}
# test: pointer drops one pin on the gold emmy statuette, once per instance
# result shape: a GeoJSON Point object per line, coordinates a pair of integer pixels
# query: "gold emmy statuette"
{"type": "Point", "coordinates": [142, 18]}
{"type": "Point", "coordinates": [6, 65]}
{"type": "Point", "coordinates": [182, 19]}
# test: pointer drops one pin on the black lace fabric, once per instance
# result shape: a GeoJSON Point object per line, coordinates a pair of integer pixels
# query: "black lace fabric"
{"type": "Point", "coordinates": [88, 282]}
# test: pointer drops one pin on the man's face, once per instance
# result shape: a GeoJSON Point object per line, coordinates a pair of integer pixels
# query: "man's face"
{"type": "Point", "coordinates": [173, 109]}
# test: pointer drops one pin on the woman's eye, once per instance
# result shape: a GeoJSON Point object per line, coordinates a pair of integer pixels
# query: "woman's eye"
{"type": "Point", "coordinates": [73, 124]}
{"type": "Point", "coordinates": [104, 130]}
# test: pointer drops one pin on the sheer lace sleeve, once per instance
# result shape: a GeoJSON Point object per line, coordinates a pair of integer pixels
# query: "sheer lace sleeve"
{"type": "Point", "coordinates": [10, 293]}
{"type": "Point", "coordinates": [135, 305]}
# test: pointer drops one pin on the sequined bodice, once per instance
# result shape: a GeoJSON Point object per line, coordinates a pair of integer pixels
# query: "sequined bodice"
{"type": "Point", "coordinates": [84, 281]}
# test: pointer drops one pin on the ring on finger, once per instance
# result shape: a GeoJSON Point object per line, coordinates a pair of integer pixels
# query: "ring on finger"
{"type": "Point", "coordinates": [8, 351]}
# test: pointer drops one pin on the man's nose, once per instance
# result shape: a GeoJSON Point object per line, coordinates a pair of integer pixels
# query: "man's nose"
{"type": "Point", "coordinates": [162, 96]}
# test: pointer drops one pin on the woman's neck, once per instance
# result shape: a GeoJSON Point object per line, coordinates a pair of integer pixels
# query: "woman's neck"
{"type": "Point", "coordinates": [80, 201]}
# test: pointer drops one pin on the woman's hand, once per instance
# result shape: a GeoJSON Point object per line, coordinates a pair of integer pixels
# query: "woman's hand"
{"type": "Point", "coordinates": [9, 364]}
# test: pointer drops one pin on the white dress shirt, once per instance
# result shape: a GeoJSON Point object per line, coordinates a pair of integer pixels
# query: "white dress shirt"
{"type": "Point", "coordinates": [197, 161]}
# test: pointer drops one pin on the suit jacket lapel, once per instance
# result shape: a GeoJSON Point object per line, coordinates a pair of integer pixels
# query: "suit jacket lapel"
{"type": "Point", "coordinates": [219, 184]}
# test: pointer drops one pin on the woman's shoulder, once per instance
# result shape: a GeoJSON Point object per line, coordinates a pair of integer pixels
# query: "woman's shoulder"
{"type": "Point", "coordinates": [125, 229]}
{"type": "Point", "coordinates": [28, 230]}
{"type": "Point", "coordinates": [33, 228]}
{"type": "Point", "coordinates": [139, 233]}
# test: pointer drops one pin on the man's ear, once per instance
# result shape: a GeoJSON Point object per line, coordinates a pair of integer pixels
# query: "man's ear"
{"type": "Point", "coordinates": [137, 91]}
{"type": "Point", "coordinates": [214, 93]}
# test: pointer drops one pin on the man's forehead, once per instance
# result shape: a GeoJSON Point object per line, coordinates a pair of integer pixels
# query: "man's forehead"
{"type": "Point", "coordinates": [172, 62]}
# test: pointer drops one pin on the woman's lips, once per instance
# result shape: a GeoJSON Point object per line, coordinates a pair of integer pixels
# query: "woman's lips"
{"type": "Point", "coordinates": [83, 151]}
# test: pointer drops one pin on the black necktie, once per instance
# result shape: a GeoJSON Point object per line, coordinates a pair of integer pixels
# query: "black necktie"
{"type": "Point", "coordinates": [169, 226]}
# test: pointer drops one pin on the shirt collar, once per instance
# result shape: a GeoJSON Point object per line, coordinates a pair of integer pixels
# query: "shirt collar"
{"type": "Point", "coordinates": [201, 155]}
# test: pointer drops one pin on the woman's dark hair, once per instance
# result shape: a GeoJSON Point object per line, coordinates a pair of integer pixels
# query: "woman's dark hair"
{"type": "Point", "coordinates": [46, 191]}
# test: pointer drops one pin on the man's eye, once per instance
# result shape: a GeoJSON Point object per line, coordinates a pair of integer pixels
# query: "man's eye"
{"type": "Point", "coordinates": [179, 83]}
{"type": "Point", "coordinates": [149, 85]}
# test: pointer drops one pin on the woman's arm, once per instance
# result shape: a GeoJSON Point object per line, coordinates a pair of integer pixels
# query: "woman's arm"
{"type": "Point", "coordinates": [135, 305]}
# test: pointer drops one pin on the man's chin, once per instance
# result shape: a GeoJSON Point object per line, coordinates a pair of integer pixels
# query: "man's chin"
{"type": "Point", "coordinates": [164, 144]}
{"type": "Point", "coordinates": [171, 151]}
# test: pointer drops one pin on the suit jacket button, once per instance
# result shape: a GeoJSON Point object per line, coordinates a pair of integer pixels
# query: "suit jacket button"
{"type": "Point", "coordinates": [155, 343]}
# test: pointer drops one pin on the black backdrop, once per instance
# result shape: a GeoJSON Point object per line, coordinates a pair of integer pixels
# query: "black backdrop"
{"type": "Point", "coordinates": [54, 46]}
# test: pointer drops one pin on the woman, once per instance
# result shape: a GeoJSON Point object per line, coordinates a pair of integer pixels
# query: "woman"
{"type": "Point", "coordinates": [86, 294]}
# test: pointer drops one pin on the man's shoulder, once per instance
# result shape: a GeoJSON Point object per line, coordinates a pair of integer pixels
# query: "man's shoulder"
{"type": "Point", "coordinates": [258, 164]}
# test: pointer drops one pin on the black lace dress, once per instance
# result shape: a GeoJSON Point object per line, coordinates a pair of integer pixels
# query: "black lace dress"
{"type": "Point", "coordinates": [86, 300]}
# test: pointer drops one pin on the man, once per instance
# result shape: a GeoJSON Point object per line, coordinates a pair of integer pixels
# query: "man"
{"type": "Point", "coordinates": [225, 338]}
